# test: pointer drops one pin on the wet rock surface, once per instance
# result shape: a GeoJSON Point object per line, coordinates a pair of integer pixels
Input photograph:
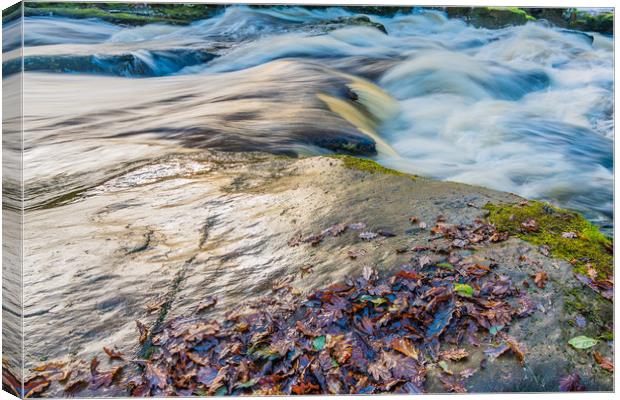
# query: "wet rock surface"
{"type": "Point", "coordinates": [153, 247]}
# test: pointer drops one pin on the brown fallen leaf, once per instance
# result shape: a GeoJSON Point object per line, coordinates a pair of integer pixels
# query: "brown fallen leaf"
{"type": "Point", "coordinates": [206, 303]}
{"type": "Point", "coordinates": [454, 354]}
{"type": "Point", "coordinates": [517, 349]}
{"type": "Point", "coordinates": [466, 373]}
{"type": "Point", "coordinates": [540, 279]}
{"type": "Point", "coordinates": [35, 385]}
{"type": "Point", "coordinates": [75, 386]}
{"type": "Point", "coordinates": [355, 253]}
{"type": "Point", "coordinates": [413, 219]}
{"type": "Point", "coordinates": [592, 273]}
{"type": "Point", "coordinates": [451, 384]}
{"type": "Point", "coordinates": [405, 347]}
{"type": "Point", "coordinates": [156, 304]}
{"type": "Point", "coordinates": [50, 365]}
{"type": "Point", "coordinates": [336, 230]}
{"type": "Point", "coordinates": [144, 331]}
{"type": "Point", "coordinates": [295, 240]}
{"type": "Point", "coordinates": [305, 270]}
{"type": "Point", "coordinates": [409, 274]}
{"type": "Point", "coordinates": [155, 376]}
{"type": "Point", "coordinates": [314, 240]}
{"type": "Point", "coordinates": [113, 354]}
{"type": "Point", "coordinates": [304, 388]}
{"type": "Point", "coordinates": [530, 225]}
{"type": "Point", "coordinates": [605, 363]}
{"type": "Point", "coordinates": [102, 378]}
{"type": "Point", "coordinates": [498, 236]}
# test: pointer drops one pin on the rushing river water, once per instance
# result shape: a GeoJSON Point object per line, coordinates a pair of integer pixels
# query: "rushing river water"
{"type": "Point", "coordinates": [124, 208]}
{"type": "Point", "coordinates": [526, 109]}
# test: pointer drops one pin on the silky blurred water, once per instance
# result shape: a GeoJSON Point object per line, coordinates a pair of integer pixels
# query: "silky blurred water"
{"type": "Point", "coordinates": [526, 109]}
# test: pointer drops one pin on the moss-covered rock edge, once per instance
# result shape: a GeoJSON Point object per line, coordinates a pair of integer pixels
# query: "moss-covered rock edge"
{"type": "Point", "coordinates": [366, 165]}
{"type": "Point", "coordinates": [590, 247]}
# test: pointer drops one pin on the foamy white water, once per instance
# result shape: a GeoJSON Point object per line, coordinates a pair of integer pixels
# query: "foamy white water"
{"type": "Point", "coordinates": [525, 109]}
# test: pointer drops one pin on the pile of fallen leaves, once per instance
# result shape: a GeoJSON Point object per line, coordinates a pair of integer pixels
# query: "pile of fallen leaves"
{"type": "Point", "coordinates": [369, 334]}
{"type": "Point", "coordinates": [366, 335]}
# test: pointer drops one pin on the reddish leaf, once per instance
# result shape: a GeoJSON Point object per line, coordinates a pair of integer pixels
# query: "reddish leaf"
{"type": "Point", "coordinates": [517, 349]}
{"type": "Point", "coordinates": [304, 388]}
{"type": "Point", "coordinates": [35, 386]}
{"type": "Point", "coordinates": [113, 354]}
{"type": "Point", "coordinates": [409, 274]}
{"type": "Point", "coordinates": [605, 363]}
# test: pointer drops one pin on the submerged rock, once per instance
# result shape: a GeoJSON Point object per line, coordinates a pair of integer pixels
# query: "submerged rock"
{"type": "Point", "coordinates": [501, 17]}
{"type": "Point", "coordinates": [583, 21]}
{"type": "Point", "coordinates": [343, 22]}
{"type": "Point", "coordinates": [490, 17]}
{"type": "Point", "coordinates": [133, 64]}
{"type": "Point", "coordinates": [126, 13]}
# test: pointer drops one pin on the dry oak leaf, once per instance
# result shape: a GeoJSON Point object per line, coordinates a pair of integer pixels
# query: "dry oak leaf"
{"type": "Point", "coordinates": [405, 347]}
{"type": "Point", "coordinates": [454, 354]}
{"type": "Point", "coordinates": [605, 363]}
{"type": "Point", "coordinates": [540, 279]}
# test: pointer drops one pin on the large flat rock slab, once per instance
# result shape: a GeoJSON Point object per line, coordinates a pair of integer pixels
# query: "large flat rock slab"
{"type": "Point", "coordinates": [155, 241]}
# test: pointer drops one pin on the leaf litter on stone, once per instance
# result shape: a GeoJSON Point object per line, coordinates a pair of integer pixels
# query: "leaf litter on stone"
{"type": "Point", "coordinates": [365, 334]}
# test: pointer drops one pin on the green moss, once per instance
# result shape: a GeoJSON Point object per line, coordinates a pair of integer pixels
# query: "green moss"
{"type": "Point", "coordinates": [590, 247]}
{"type": "Point", "coordinates": [363, 164]}
{"type": "Point", "coordinates": [126, 13]}
{"type": "Point", "coordinates": [581, 20]}
{"type": "Point", "coordinates": [514, 10]}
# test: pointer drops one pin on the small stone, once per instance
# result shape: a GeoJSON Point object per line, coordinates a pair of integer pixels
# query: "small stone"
{"type": "Point", "coordinates": [580, 321]}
